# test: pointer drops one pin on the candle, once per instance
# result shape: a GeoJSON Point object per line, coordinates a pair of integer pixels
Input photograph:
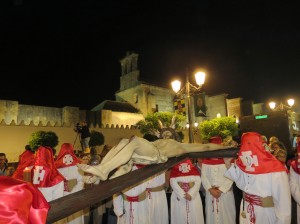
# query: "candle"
{"type": "Point", "coordinates": [27, 174]}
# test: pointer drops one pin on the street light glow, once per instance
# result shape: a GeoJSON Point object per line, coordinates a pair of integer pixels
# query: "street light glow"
{"type": "Point", "coordinates": [281, 106]}
{"type": "Point", "coordinates": [291, 102]}
{"type": "Point", "coordinates": [200, 78]}
{"type": "Point", "coordinates": [176, 86]}
{"type": "Point", "coordinates": [189, 90]}
{"type": "Point", "coordinates": [272, 105]}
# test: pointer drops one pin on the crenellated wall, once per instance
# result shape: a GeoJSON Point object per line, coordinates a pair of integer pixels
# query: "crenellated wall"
{"type": "Point", "coordinates": [14, 137]}
{"type": "Point", "coordinates": [9, 110]}
{"type": "Point", "coordinates": [13, 111]}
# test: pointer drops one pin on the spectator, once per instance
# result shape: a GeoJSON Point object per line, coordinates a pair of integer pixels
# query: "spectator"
{"type": "Point", "coordinates": [272, 140]}
{"type": "Point", "coordinates": [28, 148]}
{"type": "Point", "coordinates": [265, 143]}
{"type": "Point", "coordinates": [85, 136]}
{"type": "Point", "coordinates": [279, 151]}
{"type": "Point", "coordinates": [5, 170]}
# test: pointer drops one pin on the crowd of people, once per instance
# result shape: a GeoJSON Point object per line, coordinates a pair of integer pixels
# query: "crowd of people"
{"type": "Point", "coordinates": [202, 191]}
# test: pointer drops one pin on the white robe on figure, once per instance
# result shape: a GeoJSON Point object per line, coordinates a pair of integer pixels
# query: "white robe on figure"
{"type": "Point", "coordinates": [66, 164]}
{"type": "Point", "coordinates": [184, 211]}
{"type": "Point", "coordinates": [295, 190]}
{"type": "Point", "coordinates": [181, 209]}
{"type": "Point", "coordinates": [140, 151]}
{"type": "Point", "coordinates": [221, 210]}
{"type": "Point", "coordinates": [263, 185]}
{"type": "Point", "coordinates": [69, 173]}
{"type": "Point", "coordinates": [135, 212]}
{"type": "Point", "coordinates": [158, 204]}
{"type": "Point", "coordinates": [258, 173]}
{"type": "Point", "coordinates": [45, 175]}
{"type": "Point", "coordinates": [54, 192]}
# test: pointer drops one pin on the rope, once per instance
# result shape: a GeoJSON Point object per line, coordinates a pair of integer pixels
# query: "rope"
{"type": "Point", "coordinates": [252, 200]}
{"type": "Point", "coordinates": [187, 211]}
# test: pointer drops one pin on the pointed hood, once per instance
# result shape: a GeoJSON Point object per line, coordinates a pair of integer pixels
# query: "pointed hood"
{"type": "Point", "coordinates": [254, 159]}
{"type": "Point", "coordinates": [45, 174]}
{"type": "Point", "coordinates": [26, 159]}
{"type": "Point", "coordinates": [66, 156]}
{"type": "Point", "coordinates": [184, 168]}
{"type": "Point", "coordinates": [214, 161]}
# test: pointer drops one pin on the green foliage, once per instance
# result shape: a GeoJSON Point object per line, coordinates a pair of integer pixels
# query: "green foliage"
{"type": "Point", "coordinates": [43, 138]}
{"type": "Point", "coordinates": [97, 138]}
{"type": "Point", "coordinates": [222, 126]}
{"type": "Point", "coordinates": [151, 124]}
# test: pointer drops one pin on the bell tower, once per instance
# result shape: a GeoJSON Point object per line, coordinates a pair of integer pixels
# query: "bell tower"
{"type": "Point", "coordinates": [129, 71]}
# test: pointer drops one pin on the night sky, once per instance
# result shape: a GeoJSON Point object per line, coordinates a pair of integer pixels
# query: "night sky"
{"type": "Point", "coordinates": [66, 53]}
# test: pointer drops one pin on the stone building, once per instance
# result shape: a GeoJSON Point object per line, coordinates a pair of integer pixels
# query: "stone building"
{"type": "Point", "coordinates": [150, 98]}
{"type": "Point", "coordinates": [134, 100]}
{"type": "Point", "coordinates": [115, 119]}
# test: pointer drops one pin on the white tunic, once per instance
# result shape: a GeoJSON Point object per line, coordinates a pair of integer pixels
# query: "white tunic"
{"type": "Point", "coordinates": [132, 212]}
{"type": "Point", "coordinates": [158, 204]}
{"type": "Point", "coordinates": [182, 210]}
{"type": "Point", "coordinates": [54, 192]}
{"type": "Point", "coordinates": [295, 190]}
{"type": "Point", "coordinates": [221, 210]}
{"type": "Point", "coordinates": [274, 184]}
{"type": "Point", "coordinates": [72, 172]}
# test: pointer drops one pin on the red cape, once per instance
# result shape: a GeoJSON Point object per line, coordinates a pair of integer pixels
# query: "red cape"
{"type": "Point", "coordinates": [21, 202]}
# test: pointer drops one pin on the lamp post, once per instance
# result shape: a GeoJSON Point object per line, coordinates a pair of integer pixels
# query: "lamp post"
{"type": "Point", "coordinates": [189, 90]}
{"type": "Point", "coordinates": [281, 106]}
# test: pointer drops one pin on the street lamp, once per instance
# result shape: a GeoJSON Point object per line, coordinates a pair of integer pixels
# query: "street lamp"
{"type": "Point", "coordinates": [281, 106]}
{"type": "Point", "coordinates": [194, 128]}
{"type": "Point", "coordinates": [189, 89]}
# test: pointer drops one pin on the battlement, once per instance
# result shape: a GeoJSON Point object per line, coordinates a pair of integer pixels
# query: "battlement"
{"type": "Point", "coordinates": [67, 125]}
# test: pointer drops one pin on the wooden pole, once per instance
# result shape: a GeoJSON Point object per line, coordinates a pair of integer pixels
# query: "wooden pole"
{"type": "Point", "coordinates": [72, 203]}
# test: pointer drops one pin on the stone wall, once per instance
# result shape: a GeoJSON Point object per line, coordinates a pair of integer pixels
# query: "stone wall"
{"type": "Point", "coordinates": [12, 111]}
{"type": "Point", "coordinates": [216, 105]}
{"type": "Point", "coordinates": [9, 110]}
{"type": "Point", "coordinates": [37, 114]}
{"type": "Point", "coordinates": [234, 107]}
{"type": "Point", "coordinates": [110, 118]}
{"type": "Point", "coordinates": [15, 137]}
{"type": "Point", "coordinates": [148, 98]}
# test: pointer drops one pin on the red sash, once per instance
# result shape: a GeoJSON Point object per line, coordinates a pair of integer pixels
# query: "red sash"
{"type": "Point", "coordinates": [213, 161]}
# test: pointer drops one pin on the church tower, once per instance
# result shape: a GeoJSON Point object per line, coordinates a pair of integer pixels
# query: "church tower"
{"type": "Point", "coordinates": [130, 73]}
